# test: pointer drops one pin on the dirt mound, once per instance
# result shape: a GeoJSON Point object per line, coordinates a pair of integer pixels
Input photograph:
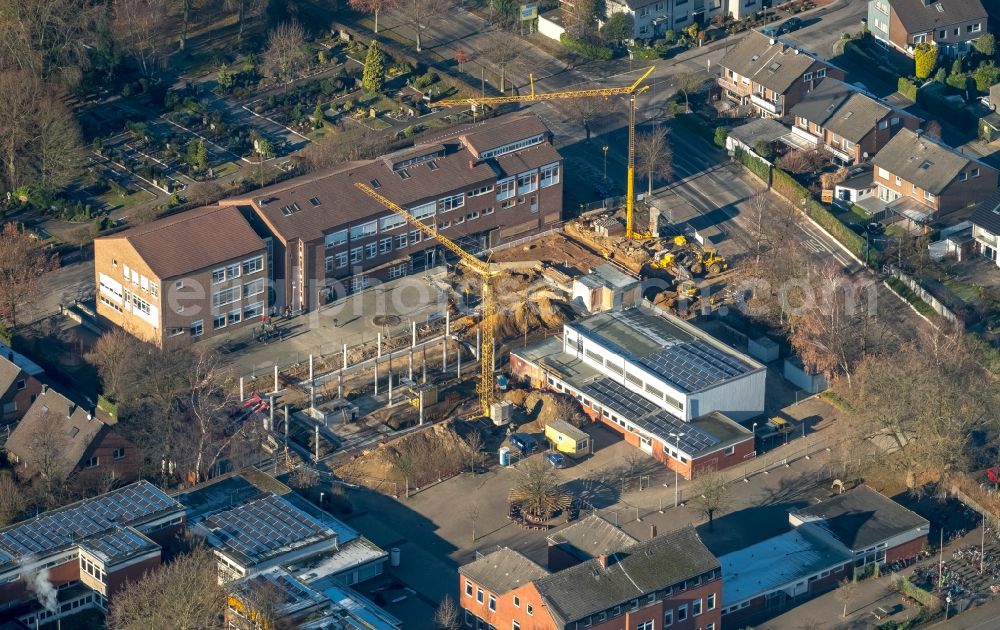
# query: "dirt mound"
{"type": "Point", "coordinates": [534, 314]}
{"type": "Point", "coordinates": [417, 458]}
{"type": "Point", "coordinates": [542, 407]}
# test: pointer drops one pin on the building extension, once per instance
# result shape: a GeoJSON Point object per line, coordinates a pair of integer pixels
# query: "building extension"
{"type": "Point", "coordinates": [301, 243]}
{"type": "Point", "coordinates": [673, 391]}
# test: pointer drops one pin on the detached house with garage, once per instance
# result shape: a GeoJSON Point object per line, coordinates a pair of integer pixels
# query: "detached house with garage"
{"type": "Point", "coordinates": [951, 25]}
{"type": "Point", "coordinates": [846, 123]}
{"type": "Point", "coordinates": [919, 178]}
{"type": "Point", "coordinates": [769, 76]}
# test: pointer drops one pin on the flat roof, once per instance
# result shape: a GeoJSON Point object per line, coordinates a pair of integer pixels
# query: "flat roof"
{"type": "Point", "coordinates": [775, 563]}
{"type": "Point", "coordinates": [675, 351]}
{"type": "Point", "coordinates": [291, 595]}
{"type": "Point", "coordinates": [568, 430]}
{"type": "Point", "coordinates": [118, 544]}
{"type": "Point", "coordinates": [24, 363]}
{"type": "Point", "coordinates": [352, 611]}
{"type": "Point", "coordinates": [265, 528]}
{"type": "Point", "coordinates": [861, 518]}
{"type": "Point", "coordinates": [354, 553]}
{"type": "Point", "coordinates": [50, 531]}
{"type": "Point", "coordinates": [609, 276]}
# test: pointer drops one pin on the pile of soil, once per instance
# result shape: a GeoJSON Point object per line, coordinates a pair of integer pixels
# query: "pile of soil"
{"type": "Point", "coordinates": [543, 407]}
{"type": "Point", "coordinates": [434, 452]}
{"type": "Point", "coordinates": [531, 315]}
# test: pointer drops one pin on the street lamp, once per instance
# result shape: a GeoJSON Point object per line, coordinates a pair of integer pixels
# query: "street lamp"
{"type": "Point", "coordinates": [754, 427]}
{"type": "Point", "coordinates": [605, 149]}
{"type": "Point", "coordinates": [677, 463]}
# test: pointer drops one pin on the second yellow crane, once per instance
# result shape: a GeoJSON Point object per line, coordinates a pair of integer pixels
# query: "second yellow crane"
{"type": "Point", "coordinates": [632, 91]}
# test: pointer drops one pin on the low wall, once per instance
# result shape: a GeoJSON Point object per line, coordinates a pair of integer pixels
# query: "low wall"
{"type": "Point", "coordinates": [924, 295]}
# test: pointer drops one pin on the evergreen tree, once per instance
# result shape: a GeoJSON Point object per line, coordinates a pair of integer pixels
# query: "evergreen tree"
{"type": "Point", "coordinates": [373, 77]}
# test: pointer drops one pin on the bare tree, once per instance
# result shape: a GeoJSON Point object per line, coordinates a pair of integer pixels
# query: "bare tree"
{"type": "Point", "coordinates": [711, 493]}
{"type": "Point", "coordinates": [799, 161]}
{"type": "Point", "coordinates": [759, 204]}
{"type": "Point", "coordinates": [115, 355]}
{"type": "Point", "coordinates": [186, 7]}
{"type": "Point", "coordinates": [474, 444]}
{"type": "Point", "coordinates": [22, 263]}
{"type": "Point", "coordinates": [138, 27]}
{"type": "Point", "coordinates": [285, 56]}
{"type": "Point", "coordinates": [46, 38]}
{"type": "Point", "coordinates": [44, 461]}
{"type": "Point", "coordinates": [11, 499]}
{"type": "Point", "coordinates": [538, 491]}
{"type": "Point", "coordinates": [586, 110]}
{"type": "Point", "coordinates": [374, 7]}
{"type": "Point", "coordinates": [446, 616]}
{"type": "Point", "coordinates": [210, 400]}
{"type": "Point", "coordinates": [653, 155]}
{"type": "Point", "coordinates": [845, 593]}
{"type": "Point", "coordinates": [473, 514]}
{"type": "Point", "coordinates": [502, 49]}
{"type": "Point", "coordinates": [337, 148]}
{"type": "Point", "coordinates": [421, 14]}
{"type": "Point", "coordinates": [183, 594]}
{"type": "Point", "coordinates": [581, 17]}
{"type": "Point", "coordinates": [246, 10]}
{"type": "Point", "coordinates": [688, 82]}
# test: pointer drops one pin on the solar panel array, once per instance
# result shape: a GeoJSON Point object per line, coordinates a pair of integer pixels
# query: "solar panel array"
{"type": "Point", "coordinates": [694, 365]}
{"type": "Point", "coordinates": [662, 424]}
{"type": "Point", "coordinates": [117, 543]}
{"type": "Point", "coordinates": [263, 526]}
{"type": "Point", "coordinates": [55, 529]}
{"type": "Point", "coordinates": [618, 398]}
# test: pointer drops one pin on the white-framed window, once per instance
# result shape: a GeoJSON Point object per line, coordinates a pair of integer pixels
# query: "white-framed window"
{"type": "Point", "coordinates": [255, 287]}
{"type": "Point", "coordinates": [645, 625]}
{"type": "Point", "coordinates": [821, 73]}
{"type": "Point", "coordinates": [506, 188]}
{"type": "Point", "coordinates": [365, 229]}
{"type": "Point", "coordinates": [643, 12]}
{"type": "Point", "coordinates": [154, 289]}
{"type": "Point", "coordinates": [472, 216]}
{"type": "Point", "coordinates": [135, 277]}
{"type": "Point", "coordinates": [144, 283]}
{"type": "Point", "coordinates": [328, 264]}
{"type": "Point", "coordinates": [371, 250]}
{"type": "Point", "coordinates": [401, 241]}
{"type": "Point", "coordinates": [335, 238]}
{"type": "Point", "coordinates": [527, 182]}
{"type": "Point", "coordinates": [515, 625]}
{"type": "Point", "coordinates": [444, 225]}
{"type": "Point", "coordinates": [696, 608]}
{"type": "Point", "coordinates": [459, 220]}
{"type": "Point", "coordinates": [21, 384]}
{"type": "Point", "coordinates": [398, 271]}
{"type": "Point", "coordinates": [141, 305]}
{"type": "Point", "coordinates": [253, 311]}
{"type": "Point", "coordinates": [973, 28]}
{"type": "Point", "coordinates": [482, 190]}
{"type": "Point", "coordinates": [975, 172]}
{"type": "Point", "coordinates": [668, 618]}
{"type": "Point", "coordinates": [424, 210]}
{"type": "Point", "coordinates": [226, 296]}
{"type": "Point", "coordinates": [682, 612]}
{"type": "Point", "coordinates": [513, 146]}
{"type": "Point", "coordinates": [530, 610]}
{"type": "Point", "coordinates": [125, 273]}
{"type": "Point", "coordinates": [929, 196]}
{"type": "Point", "coordinates": [253, 265]}
{"type": "Point", "coordinates": [710, 625]}
{"type": "Point", "coordinates": [93, 462]}
{"type": "Point", "coordinates": [233, 271]}
{"type": "Point", "coordinates": [807, 76]}
{"type": "Point", "coordinates": [883, 124]}
{"type": "Point", "coordinates": [119, 453]}
{"type": "Point", "coordinates": [341, 259]}
{"type": "Point", "coordinates": [175, 332]}
{"type": "Point", "coordinates": [493, 603]}
{"type": "Point", "coordinates": [451, 202]}
{"type": "Point", "coordinates": [517, 602]}
{"type": "Point", "coordinates": [219, 321]}
{"type": "Point", "coordinates": [415, 237]}
{"type": "Point", "coordinates": [510, 203]}
{"type": "Point", "coordinates": [479, 595]}
{"type": "Point", "coordinates": [391, 222]}
{"type": "Point", "coordinates": [899, 180]}
{"type": "Point", "coordinates": [385, 245]}
{"type": "Point", "coordinates": [710, 602]}
{"type": "Point", "coordinates": [488, 210]}
{"type": "Point", "coordinates": [219, 275]}
{"type": "Point", "coordinates": [920, 39]}
{"type": "Point", "coordinates": [468, 588]}
{"type": "Point", "coordinates": [883, 174]}
{"type": "Point", "coordinates": [234, 317]}
{"type": "Point", "coordinates": [550, 174]}
{"type": "Point", "coordinates": [357, 254]}
{"type": "Point", "coordinates": [963, 176]}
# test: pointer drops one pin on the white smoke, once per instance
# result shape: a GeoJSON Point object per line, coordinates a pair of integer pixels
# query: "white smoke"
{"type": "Point", "coordinates": [39, 584]}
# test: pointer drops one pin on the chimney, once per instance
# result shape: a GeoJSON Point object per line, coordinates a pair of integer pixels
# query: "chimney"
{"type": "Point", "coordinates": [603, 560]}
{"type": "Point", "coordinates": [45, 389]}
{"type": "Point", "coordinates": [652, 532]}
{"type": "Point", "coordinates": [70, 409]}
{"type": "Point", "coordinates": [10, 356]}
{"type": "Point", "coordinates": [472, 164]}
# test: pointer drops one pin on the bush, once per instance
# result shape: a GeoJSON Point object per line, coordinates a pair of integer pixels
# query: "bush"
{"type": "Point", "coordinates": [986, 75]}
{"type": "Point", "coordinates": [644, 53]}
{"type": "Point", "coordinates": [587, 49]}
{"type": "Point", "coordinates": [959, 81]}
{"type": "Point", "coordinates": [925, 57]}
{"type": "Point", "coordinates": [720, 136]}
{"type": "Point", "coordinates": [755, 165]}
{"type": "Point", "coordinates": [907, 88]}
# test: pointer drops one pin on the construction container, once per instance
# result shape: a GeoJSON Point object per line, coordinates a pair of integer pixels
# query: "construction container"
{"type": "Point", "coordinates": [430, 395]}
{"type": "Point", "coordinates": [502, 412]}
{"type": "Point", "coordinates": [566, 438]}
{"type": "Point", "coordinates": [504, 456]}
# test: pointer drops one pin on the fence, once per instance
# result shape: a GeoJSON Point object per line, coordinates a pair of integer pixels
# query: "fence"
{"type": "Point", "coordinates": [924, 295]}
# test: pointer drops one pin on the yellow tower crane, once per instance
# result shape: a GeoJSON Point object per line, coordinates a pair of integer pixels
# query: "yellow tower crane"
{"type": "Point", "coordinates": [477, 266]}
{"type": "Point", "coordinates": [632, 91]}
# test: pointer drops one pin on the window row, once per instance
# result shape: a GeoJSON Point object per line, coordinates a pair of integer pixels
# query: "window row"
{"type": "Point", "coordinates": [229, 272]}
{"type": "Point", "coordinates": [139, 280]}
{"type": "Point", "coordinates": [235, 316]}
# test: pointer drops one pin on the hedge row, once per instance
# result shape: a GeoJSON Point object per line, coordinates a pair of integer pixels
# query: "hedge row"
{"type": "Point", "coordinates": [757, 166]}
{"type": "Point", "coordinates": [926, 599]}
{"type": "Point", "coordinates": [907, 88]}
{"type": "Point", "coordinates": [785, 185]}
{"type": "Point", "coordinates": [587, 49]}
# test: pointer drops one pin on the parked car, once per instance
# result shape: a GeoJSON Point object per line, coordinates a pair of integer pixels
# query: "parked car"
{"type": "Point", "coordinates": [524, 443]}
{"type": "Point", "coordinates": [770, 30]}
{"type": "Point", "coordinates": [791, 24]}
{"type": "Point", "coordinates": [557, 459]}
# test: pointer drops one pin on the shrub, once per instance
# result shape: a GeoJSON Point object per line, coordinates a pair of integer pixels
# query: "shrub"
{"type": "Point", "coordinates": [587, 49]}
{"type": "Point", "coordinates": [986, 75]}
{"type": "Point", "coordinates": [907, 88]}
{"type": "Point", "coordinates": [925, 59]}
{"type": "Point", "coordinates": [644, 53]}
{"type": "Point", "coordinates": [959, 81]}
{"type": "Point", "coordinates": [940, 76]}
{"type": "Point", "coordinates": [720, 136]}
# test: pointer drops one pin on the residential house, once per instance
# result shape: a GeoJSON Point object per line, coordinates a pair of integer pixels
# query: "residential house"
{"type": "Point", "coordinates": [184, 277]}
{"type": "Point", "coordinates": [919, 178]}
{"type": "Point", "coordinates": [986, 227]}
{"type": "Point", "coordinates": [669, 581]}
{"type": "Point", "coordinates": [769, 76]}
{"type": "Point", "coordinates": [89, 550]}
{"type": "Point", "coordinates": [671, 390]}
{"type": "Point", "coordinates": [60, 438]}
{"type": "Point", "coordinates": [652, 18]}
{"type": "Point", "coordinates": [20, 384]}
{"type": "Point", "coordinates": [951, 25]}
{"type": "Point", "coordinates": [846, 123]}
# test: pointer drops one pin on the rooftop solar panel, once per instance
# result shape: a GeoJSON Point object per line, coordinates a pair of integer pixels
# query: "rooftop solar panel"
{"type": "Point", "coordinates": [694, 365]}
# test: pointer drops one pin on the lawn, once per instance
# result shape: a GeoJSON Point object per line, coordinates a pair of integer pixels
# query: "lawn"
{"type": "Point", "coordinates": [117, 202]}
{"type": "Point", "coordinates": [907, 294]}
{"type": "Point", "coordinates": [966, 292]}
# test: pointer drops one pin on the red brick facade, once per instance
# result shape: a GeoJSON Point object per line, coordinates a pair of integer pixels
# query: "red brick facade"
{"type": "Point", "coordinates": [18, 398]}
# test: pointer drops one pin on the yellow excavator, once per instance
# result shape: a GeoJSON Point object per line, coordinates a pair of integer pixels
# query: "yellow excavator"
{"type": "Point", "coordinates": [708, 260]}
{"type": "Point", "coordinates": [690, 256]}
